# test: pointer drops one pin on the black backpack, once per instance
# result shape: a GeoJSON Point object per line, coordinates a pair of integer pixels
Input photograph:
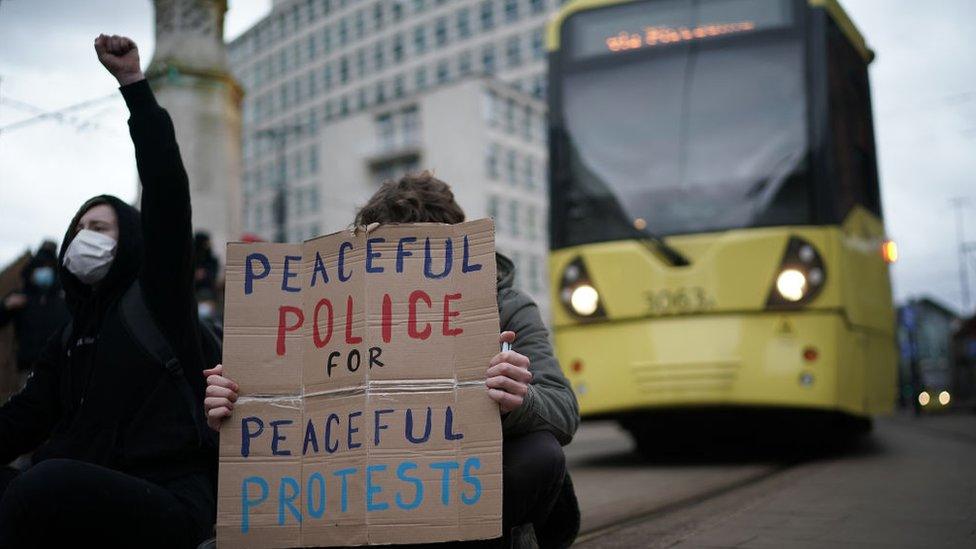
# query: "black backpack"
{"type": "Point", "coordinates": [140, 323]}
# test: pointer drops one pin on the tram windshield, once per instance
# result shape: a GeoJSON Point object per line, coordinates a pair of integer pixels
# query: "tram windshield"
{"type": "Point", "coordinates": [682, 116]}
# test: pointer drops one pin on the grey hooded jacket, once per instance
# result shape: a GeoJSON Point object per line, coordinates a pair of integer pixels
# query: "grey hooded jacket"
{"type": "Point", "coordinates": [550, 404]}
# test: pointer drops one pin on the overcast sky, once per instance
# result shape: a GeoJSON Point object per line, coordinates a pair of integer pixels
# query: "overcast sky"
{"type": "Point", "coordinates": [924, 101]}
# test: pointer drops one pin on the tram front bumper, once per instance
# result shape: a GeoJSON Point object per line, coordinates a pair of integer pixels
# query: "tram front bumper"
{"type": "Point", "coordinates": [762, 359]}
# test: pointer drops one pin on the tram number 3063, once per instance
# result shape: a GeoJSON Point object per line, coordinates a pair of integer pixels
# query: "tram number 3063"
{"type": "Point", "coordinates": [678, 300]}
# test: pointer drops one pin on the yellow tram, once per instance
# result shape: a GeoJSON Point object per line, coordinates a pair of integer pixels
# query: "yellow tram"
{"type": "Point", "coordinates": [716, 227]}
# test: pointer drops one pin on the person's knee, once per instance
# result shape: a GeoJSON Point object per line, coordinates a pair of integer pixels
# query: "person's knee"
{"type": "Point", "coordinates": [40, 483]}
{"type": "Point", "coordinates": [549, 454]}
{"type": "Point", "coordinates": [535, 457]}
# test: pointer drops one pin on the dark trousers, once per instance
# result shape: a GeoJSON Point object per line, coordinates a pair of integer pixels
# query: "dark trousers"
{"type": "Point", "coordinates": [65, 503]}
{"type": "Point", "coordinates": [533, 470]}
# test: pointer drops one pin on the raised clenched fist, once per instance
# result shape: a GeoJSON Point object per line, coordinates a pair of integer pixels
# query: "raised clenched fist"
{"type": "Point", "coordinates": [120, 56]}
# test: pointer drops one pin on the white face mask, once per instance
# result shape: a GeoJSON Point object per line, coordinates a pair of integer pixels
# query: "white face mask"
{"type": "Point", "coordinates": [90, 256]}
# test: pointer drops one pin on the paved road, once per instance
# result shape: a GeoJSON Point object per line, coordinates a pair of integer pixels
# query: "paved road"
{"type": "Point", "coordinates": [614, 483]}
{"type": "Point", "coordinates": [911, 484]}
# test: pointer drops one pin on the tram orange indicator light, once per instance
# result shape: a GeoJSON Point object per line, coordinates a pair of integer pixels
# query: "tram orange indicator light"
{"type": "Point", "coordinates": [576, 366]}
{"type": "Point", "coordinates": [889, 251]}
{"type": "Point", "coordinates": [810, 354]}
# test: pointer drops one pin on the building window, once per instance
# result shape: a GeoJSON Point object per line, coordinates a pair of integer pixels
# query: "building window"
{"type": "Point", "coordinates": [380, 93]}
{"type": "Point", "coordinates": [327, 77]}
{"type": "Point", "coordinates": [360, 24]}
{"type": "Point", "coordinates": [492, 103]}
{"type": "Point", "coordinates": [295, 18]}
{"type": "Point", "coordinates": [398, 47]}
{"type": "Point", "coordinates": [419, 6]}
{"type": "Point", "coordinates": [493, 207]}
{"type": "Point", "coordinates": [313, 119]}
{"type": "Point", "coordinates": [511, 11]}
{"type": "Point", "coordinates": [513, 221]}
{"type": "Point", "coordinates": [361, 62]}
{"type": "Point", "coordinates": [527, 123]}
{"type": "Point", "coordinates": [538, 44]}
{"type": "Point", "coordinates": [491, 160]}
{"type": "Point", "coordinates": [384, 131]}
{"type": "Point", "coordinates": [530, 225]}
{"type": "Point", "coordinates": [419, 39]}
{"type": "Point", "coordinates": [343, 31]}
{"type": "Point", "coordinates": [398, 86]}
{"type": "Point", "coordinates": [440, 31]}
{"type": "Point", "coordinates": [326, 40]}
{"type": "Point", "coordinates": [539, 87]}
{"type": "Point", "coordinates": [513, 51]}
{"type": "Point", "coordinates": [421, 78]}
{"type": "Point", "coordinates": [313, 84]}
{"type": "Point", "coordinates": [537, 6]}
{"type": "Point", "coordinates": [344, 70]}
{"type": "Point", "coordinates": [314, 199]}
{"type": "Point", "coordinates": [511, 161]}
{"type": "Point", "coordinates": [443, 72]}
{"type": "Point", "coordinates": [361, 100]}
{"type": "Point", "coordinates": [487, 15]}
{"type": "Point", "coordinates": [464, 23]}
{"type": "Point", "coordinates": [464, 63]}
{"type": "Point", "coordinates": [510, 115]}
{"type": "Point", "coordinates": [488, 59]}
{"type": "Point", "coordinates": [529, 172]}
{"type": "Point", "coordinates": [379, 56]}
{"type": "Point", "coordinates": [397, 11]}
{"type": "Point", "coordinates": [313, 159]}
{"type": "Point", "coordinates": [410, 122]}
{"type": "Point", "coordinates": [378, 15]}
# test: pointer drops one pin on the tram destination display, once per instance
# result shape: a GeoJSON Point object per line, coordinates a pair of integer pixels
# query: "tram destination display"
{"type": "Point", "coordinates": [642, 25]}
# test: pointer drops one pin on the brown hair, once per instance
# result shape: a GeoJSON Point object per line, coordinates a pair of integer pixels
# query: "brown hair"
{"type": "Point", "coordinates": [415, 197]}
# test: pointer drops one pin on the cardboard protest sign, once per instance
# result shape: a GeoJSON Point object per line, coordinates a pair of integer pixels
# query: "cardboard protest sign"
{"type": "Point", "coordinates": [363, 416]}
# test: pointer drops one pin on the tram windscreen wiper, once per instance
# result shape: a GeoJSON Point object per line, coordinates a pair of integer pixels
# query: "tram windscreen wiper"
{"type": "Point", "coordinates": [607, 206]}
{"type": "Point", "coordinates": [673, 256]}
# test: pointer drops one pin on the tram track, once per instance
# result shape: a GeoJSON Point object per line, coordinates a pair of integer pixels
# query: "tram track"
{"type": "Point", "coordinates": [677, 506]}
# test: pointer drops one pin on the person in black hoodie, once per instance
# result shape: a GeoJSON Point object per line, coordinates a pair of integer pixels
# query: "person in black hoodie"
{"type": "Point", "coordinates": [38, 309]}
{"type": "Point", "coordinates": [119, 458]}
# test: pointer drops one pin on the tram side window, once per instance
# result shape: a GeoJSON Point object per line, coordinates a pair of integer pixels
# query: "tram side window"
{"type": "Point", "coordinates": [854, 168]}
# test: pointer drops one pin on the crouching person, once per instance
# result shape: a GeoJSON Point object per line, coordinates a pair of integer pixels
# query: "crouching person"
{"type": "Point", "coordinates": [538, 407]}
{"type": "Point", "coordinates": [122, 456]}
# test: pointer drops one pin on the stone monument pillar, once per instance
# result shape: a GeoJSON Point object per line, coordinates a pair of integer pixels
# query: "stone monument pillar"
{"type": "Point", "coordinates": [190, 76]}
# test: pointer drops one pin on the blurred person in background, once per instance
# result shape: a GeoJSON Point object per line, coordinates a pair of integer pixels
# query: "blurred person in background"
{"type": "Point", "coordinates": [206, 279]}
{"type": "Point", "coordinates": [38, 309]}
{"type": "Point", "coordinates": [122, 456]}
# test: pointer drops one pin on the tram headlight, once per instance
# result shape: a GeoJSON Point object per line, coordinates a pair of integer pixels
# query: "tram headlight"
{"type": "Point", "coordinates": [584, 299]}
{"type": "Point", "coordinates": [800, 278]}
{"type": "Point", "coordinates": [791, 284]}
{"type": "Point", "coordinates": [944, 398]}
{"type": "Point", "coordinates": [924, 398]}
{"type": "Point", "coordinates": [578, 293]}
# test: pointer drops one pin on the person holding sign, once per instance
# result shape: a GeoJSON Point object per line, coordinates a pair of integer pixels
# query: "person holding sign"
{"type": "Point", "coordinates": [121, 452]}
{"type": "Point", "coordinates": [538, 407]}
